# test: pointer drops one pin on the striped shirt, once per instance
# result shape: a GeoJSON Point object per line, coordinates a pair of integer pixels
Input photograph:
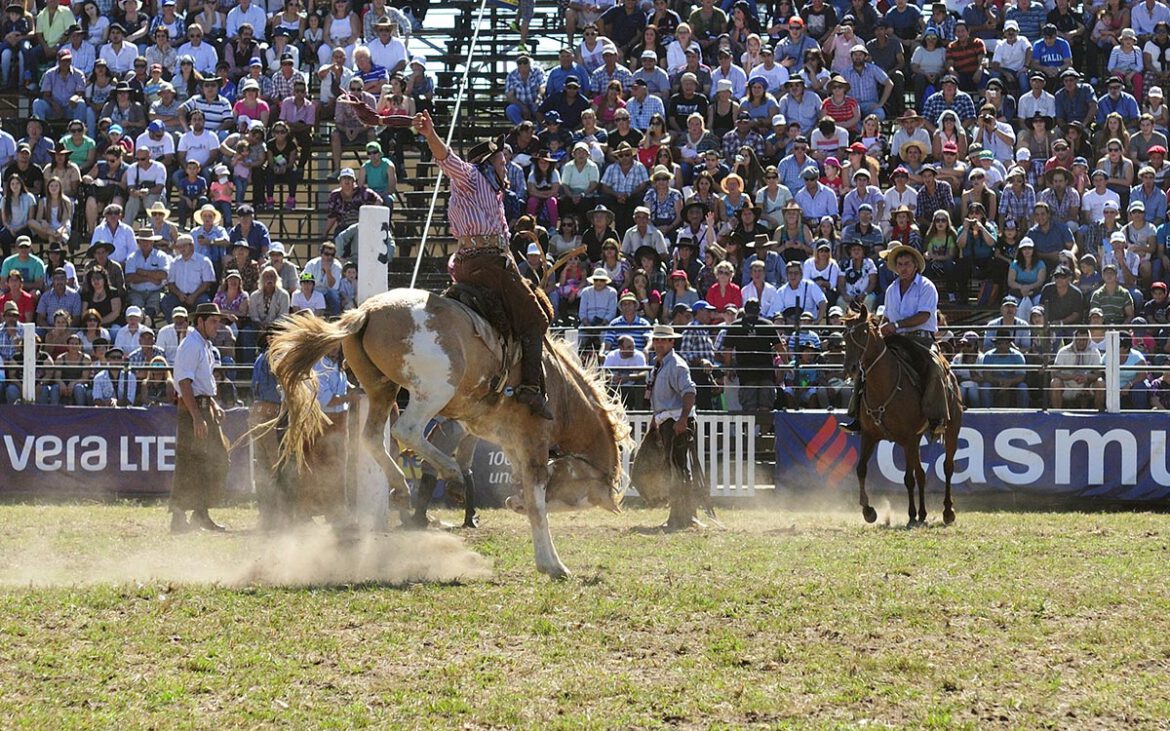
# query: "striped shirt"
{"type": "Point", "coordinates": [474, 208]}
{"type": "Point", "coordinates": [966, 57]}
{"type": "Point", "coordinates": [215, 113]}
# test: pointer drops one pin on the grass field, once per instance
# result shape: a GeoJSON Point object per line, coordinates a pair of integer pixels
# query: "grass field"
{"type": "Point", "coordinates": [780, 620]}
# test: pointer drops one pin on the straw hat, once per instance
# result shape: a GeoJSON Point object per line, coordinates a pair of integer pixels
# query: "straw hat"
{"type": "Point", "coordinates": [208, 208]}
{"type": "Point", "coordinates": [913, 143]}
{"type": "Point", "coordinates": [891, 255]}
{"type": "Point", "coordinates": [664, 332]}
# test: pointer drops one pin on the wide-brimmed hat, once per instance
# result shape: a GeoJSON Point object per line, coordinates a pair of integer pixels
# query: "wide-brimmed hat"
{"type": "Point", "coordinates": [838, 79]}
{"type": "Point", "coordinates": [600, 275]}
{"type": "Point", "coordinates": [902, 209]}
{"type": "Point", "coordinates": [891, 255]}
{"type": "Point", "coordinates": [723, 184]}
{"type": "Point", "coordinates": [98, 246]}
{"type": "Point", "coordinates": [207, 308]}
{"type": "Point", "coordinates": [695, 204]}
{"type": "Point", "coordinates": [208, 208]}
{"type": "Point", "coordinates": [664, 332]}
{"type": "Point", "coordinates": [482, 150]}
{"type": "Point", "coordinates": [599, 208]}
{"type": "Point", "coordinates": [913, 143]}
{"type": "Point", "coordinates": [158, 207]}
{"type": "Point", "coordinates": [911, 115]}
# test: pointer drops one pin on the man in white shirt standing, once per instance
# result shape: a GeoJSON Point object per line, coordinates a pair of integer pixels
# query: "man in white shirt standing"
{"type": "Point", "coordinates": [201, 449]}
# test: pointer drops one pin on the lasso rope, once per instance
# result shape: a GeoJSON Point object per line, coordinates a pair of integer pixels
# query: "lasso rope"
{"type": "Point", "coordinates": [422, 247]}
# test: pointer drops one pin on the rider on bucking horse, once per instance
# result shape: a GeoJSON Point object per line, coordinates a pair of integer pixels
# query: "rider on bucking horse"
{"type": "Point", "coordinates": [912, 312]}
{"type": "Point", "coordinates": [475, 214]}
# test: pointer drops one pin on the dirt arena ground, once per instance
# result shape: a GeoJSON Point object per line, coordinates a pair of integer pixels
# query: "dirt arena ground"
{"type": "Point", "coordinates": [776, 620]}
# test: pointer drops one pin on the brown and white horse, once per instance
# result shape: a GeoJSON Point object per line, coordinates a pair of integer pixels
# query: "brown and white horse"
{"type": "Point", "coordinates": [428, 344]}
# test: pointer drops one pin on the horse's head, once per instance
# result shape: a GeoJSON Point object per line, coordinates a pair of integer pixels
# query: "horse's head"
{"type": "Point", "coordinates": [859, 331]}
{"type": "Point", "coordinates": [575, 483]}
{"type": "Point", "coordinates": [592, 439]}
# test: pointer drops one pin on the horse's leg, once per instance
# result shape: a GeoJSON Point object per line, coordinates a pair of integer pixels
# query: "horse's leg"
{"type": "Point", "coordinates": [381, 400]}
{"type": "Point", "coordinates": [534, 481]}
{"type": "Point", "coordinates": [920, 476]}
{"type": "Point", "coordinates": [464, 453]}
{"type": "Point", "coordinates": [867, 445]}
{"type": "Point", "coordinates": [950, 445]}
{"type": "Point", "coordinates": [410, 430]}
{"type": "Point", "coordinates": [913, 464]}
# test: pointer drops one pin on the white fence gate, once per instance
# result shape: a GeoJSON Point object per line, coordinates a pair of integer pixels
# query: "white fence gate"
{"type": "Point", "coordinates": [727, 451]}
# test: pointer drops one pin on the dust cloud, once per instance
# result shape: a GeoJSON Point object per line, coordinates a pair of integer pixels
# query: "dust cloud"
{"type": "Point", "coordinates": [311, 555]}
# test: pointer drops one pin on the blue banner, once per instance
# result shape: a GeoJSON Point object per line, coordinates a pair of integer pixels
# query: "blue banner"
{"type": "Point", "coordinates": [1081, 455]}
{"type": "Point", "coordinates": [93, 451]}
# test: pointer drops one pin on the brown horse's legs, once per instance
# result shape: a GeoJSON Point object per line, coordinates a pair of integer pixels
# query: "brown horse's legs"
{"type": "Point", "coordinates": [913, 465]}
{"type": "Point", "coordinates": [920, 475]}
{"type": "Point", "coordinates": [950, 445]}
{"type": "Point", "coordinates": [867, 445]}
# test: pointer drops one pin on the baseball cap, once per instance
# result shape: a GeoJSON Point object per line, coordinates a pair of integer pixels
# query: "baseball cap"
{"type": "Point", "coordinates": [133, 311]}
{"type": "Point", "coordinates": [347, 173]}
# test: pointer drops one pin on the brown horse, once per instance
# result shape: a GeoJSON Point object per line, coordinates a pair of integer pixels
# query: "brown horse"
{"type": "Point", "coordinates": [448, 357]}
{"type": "Point", "coordinates": [891, 410]}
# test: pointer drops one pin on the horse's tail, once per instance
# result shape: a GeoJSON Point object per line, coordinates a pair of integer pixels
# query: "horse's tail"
{"type": "Point", "coordinates": [300, 344]}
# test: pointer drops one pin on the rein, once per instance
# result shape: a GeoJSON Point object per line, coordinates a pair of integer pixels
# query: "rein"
{"type": "Point", "coordinates": [878, 414]}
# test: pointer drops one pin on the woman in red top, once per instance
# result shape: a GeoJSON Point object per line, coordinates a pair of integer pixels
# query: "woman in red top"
{"type": "Point", "coordinates": [724, 291]}
{"type": "Point", "coordinates": [844, 109]}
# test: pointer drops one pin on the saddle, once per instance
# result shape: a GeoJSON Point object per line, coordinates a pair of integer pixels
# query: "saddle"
{"type": "Point", "coordinates": [486, 310]}
{"type": "Point", "coordinates": [918, 359]}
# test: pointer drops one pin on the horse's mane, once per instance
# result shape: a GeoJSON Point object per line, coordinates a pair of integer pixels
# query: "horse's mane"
{"type": "Point", "coordinates": [591, 379]}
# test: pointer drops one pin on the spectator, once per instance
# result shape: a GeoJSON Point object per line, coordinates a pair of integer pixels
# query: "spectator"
{"type": "Point", "coordinates": [523, 89]}
{"type": "Point", "coordinates": [626, 366]}
{"type": "Point", "coordinates": [147, 270]}
{"type": "Point", "coordinates": [169, 336]}
{"type": "Point", "coordinates": [102, 299]}
{"type": "Point", "coordinates": [114, 384]}
{"type": "Point", "coordinates": [74, 372]}
{"type": "Point", "coordinates": [57, 299]}
{"type": "Point", "coordinates": [306, 298]}
{"type": "Point", "coordinates": [1077, 373]}
{"type": "Point", "coordinates": [25, 301]}
{"type": "Point", "coordinates": [325, 271]}
{"type": "Point", "coordinates": [190, 279]}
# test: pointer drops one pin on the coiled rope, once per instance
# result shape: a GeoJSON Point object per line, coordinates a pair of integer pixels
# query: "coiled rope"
{"type": "Point", "coordinates": [450, 132]}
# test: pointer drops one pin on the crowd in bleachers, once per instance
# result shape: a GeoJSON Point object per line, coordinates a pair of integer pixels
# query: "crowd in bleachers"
{"type": "Point", "coordinates": [699, 157]}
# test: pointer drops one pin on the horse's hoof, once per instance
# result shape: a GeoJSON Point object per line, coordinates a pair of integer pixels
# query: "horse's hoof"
{"type": "Point", "coordinates": [515, 504]}
{"type": "Point", "coordinates": [948, 516]}
{"type": "Point", "coordinates": [869, 514]}
{"type": "Point", "coordinates": [556, 573]}
{"type": "Point", "coordinates": [472, 522]}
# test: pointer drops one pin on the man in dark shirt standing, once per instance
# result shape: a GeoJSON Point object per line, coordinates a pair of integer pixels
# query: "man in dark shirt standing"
{"type": "Point", "coordinates": [750, 346]}
{"type": "Point", "coordinates": [623, 24]}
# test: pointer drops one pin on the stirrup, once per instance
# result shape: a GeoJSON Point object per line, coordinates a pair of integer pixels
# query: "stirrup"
{"type": "Point", "coordinates": [853, 427]}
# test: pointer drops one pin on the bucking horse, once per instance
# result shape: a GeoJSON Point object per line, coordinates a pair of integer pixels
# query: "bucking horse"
{"type": "Point", "coordinates": [452, 362]}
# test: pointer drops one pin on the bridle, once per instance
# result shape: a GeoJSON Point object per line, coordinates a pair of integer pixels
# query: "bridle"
{"type": "Point", "coordinates": [863, 346]}
{"type": "Point", "coordinates": [878, 414]}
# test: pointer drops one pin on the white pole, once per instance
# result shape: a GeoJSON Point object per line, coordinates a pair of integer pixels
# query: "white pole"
{"type": "Point", "coordinates": [373, 222]}
{"type": "Point", "coordinates": [29, 386]}
{"type": "Point", "coordinates": [1113, 372]}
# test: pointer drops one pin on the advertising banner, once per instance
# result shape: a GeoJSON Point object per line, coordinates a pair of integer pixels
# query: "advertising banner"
{"type": "Point", "coordinates": [1068, 455]}
{"type": "Point", "coordinates": [101, 451]}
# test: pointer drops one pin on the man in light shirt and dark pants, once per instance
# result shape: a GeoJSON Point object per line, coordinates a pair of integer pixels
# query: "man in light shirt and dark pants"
{"type": "Point", "coordinates": [201, 450]}
{"type": "Point", "coordinates": [672, 401]}
{"type": "Point", "coordinates": [912, 312]}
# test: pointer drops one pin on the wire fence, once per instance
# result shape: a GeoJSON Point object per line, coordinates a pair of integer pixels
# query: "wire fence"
{"type": "Point", "coordinates": [801, 368]}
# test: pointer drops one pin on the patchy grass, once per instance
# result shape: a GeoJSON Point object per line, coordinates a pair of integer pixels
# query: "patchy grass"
{"type": "Point", "coordinates": [780, 620]}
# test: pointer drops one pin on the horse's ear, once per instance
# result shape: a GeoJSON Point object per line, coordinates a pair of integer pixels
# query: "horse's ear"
{"type": "Point", "coordinates": [860, 309]}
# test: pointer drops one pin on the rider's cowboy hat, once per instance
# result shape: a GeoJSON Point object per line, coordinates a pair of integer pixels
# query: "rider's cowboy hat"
{"type": "Point", "coordinates": [891, 255]}
{"type": "Point", "coordinates": [482, 151]}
